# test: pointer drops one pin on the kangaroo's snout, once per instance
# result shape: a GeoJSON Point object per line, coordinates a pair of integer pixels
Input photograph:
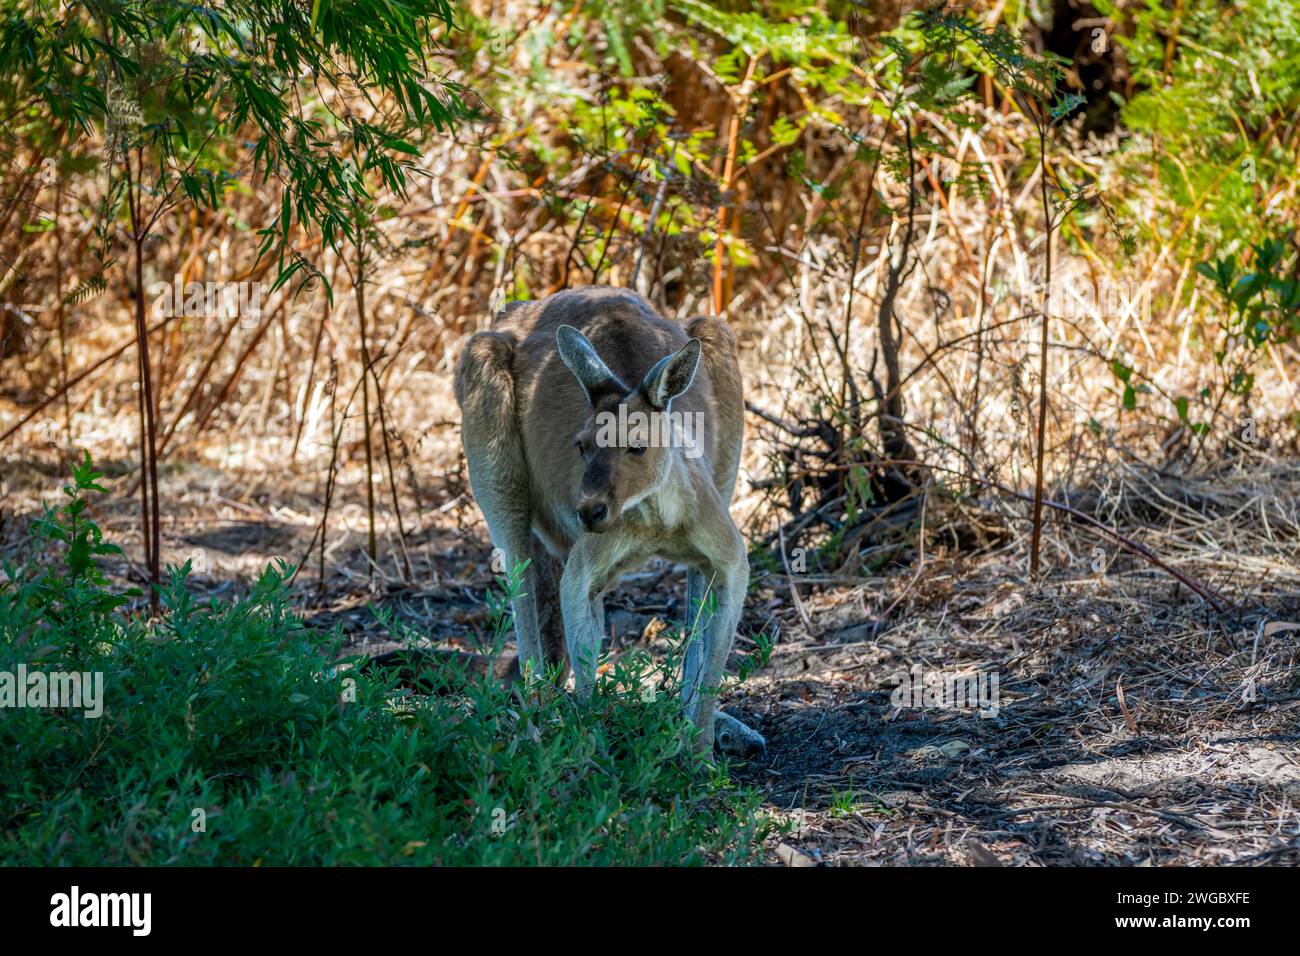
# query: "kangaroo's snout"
{"type": "Point", "coordinates": [594, 514]}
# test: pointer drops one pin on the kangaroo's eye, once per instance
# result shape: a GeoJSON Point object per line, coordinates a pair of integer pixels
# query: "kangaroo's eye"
{"type": "Point", "coordinates": [633, 450]}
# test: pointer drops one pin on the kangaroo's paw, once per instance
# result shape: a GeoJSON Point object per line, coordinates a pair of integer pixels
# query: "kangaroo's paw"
{"type": "Point", "coordinates": [736, 739]}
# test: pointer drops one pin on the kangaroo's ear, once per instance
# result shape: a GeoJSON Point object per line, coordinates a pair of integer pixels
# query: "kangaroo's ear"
{"type": "Point", "coordinates": [672, 375]}
{"type": "Point", "coordinates": [580, 357]}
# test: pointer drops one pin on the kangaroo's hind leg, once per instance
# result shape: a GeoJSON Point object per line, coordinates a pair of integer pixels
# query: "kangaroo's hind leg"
{"type": "Point", "coordinates": [498, 474]}
{"type": "Point", "coordinates": [709, 642]}
{"type": "Point", "coordinates": [696, 621]}
{"type": "Point", "coordinates": [547, 569]}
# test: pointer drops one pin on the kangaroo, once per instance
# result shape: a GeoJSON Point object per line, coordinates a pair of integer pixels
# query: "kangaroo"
{"type": "Point", "coordinates": [599, 434]}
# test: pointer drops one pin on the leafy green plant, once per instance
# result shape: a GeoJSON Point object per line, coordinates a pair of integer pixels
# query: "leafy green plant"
{"type": "Point", "coordinates": [751, 663]}
{"type": "Point", "coordinates": [72, 595]}
{"type": "Point", "coordinates": [1215, 87]}
{"type": "Point", "coordinates": [233, 734]}
{"type": "Point", "coordinates": [844, 803]}
{"type": "Point", "coordinates": [1263, 308]}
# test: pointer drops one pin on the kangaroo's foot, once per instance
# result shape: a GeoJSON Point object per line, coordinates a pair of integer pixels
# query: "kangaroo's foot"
{"type": "Point", "coordinates": [736, 739]}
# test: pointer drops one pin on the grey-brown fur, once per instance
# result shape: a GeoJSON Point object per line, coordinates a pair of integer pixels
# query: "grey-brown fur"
{"type": "Point", "coordinates": [585, 516]}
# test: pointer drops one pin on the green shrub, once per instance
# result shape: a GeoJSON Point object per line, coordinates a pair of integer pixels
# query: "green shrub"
{"type": "Point", "coordinates": [294, 757]}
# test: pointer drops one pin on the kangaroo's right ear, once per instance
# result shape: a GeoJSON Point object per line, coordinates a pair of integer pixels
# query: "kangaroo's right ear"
{"type": "Point", "coordinates": [672, 375]}
{"type": "Point", "coordinates": [580, 357]}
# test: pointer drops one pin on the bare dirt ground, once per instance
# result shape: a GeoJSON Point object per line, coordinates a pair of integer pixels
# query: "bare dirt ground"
{"type": "Point", "coordinates": [1134, 725]}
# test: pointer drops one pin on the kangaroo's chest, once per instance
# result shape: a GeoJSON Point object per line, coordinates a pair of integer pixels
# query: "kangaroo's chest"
{"type": "Point", "coordinates": [630, 546]}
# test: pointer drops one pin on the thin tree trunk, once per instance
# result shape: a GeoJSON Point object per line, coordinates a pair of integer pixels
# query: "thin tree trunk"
{"type": "Point", "coordinates": [149, 437]}
{"type": "Point", "coordinates": [62, 312]}
{"type": "Point", "coordinates": [1040, 450]}
{"type": "Point", "coordinates": [329, 475]}
{"type": "Point", "coordinates": [148, 427]}
{"type": "Point", "coordinates": [392, 480]}
{"type": "Point", "coordinates": [360, 289]}
{"type": "Point", "coordinates": [893, 432]}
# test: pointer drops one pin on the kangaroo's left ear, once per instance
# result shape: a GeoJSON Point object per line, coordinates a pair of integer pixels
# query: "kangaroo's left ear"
{"type": "Point", "coordinates": [579, 356]}
{"type": "Point", "coordinates": [671, 375]}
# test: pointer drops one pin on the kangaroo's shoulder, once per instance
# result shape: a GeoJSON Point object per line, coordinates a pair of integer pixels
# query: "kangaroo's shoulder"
{"type": "Point", "coordinates": [625, 329]}
{"type": "Point", "coordinates": [720, 354]}
{"type": "Point", "coordinates": [588, 309]}
{"type": "Point", "coordinates": [712, 330]}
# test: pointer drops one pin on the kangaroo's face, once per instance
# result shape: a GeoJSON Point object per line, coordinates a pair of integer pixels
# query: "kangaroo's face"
{"type": "Point", "coordinates": [628, 439]}
{"type": "Point", "coordinates": [622, 465]}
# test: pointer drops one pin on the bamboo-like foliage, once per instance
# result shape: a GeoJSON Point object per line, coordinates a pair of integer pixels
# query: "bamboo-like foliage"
{"type": "Point", "coordinates": [170, 90]}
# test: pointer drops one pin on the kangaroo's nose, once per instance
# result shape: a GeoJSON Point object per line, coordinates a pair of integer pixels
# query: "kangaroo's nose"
{"type": "Point", "coordinates": [592, 513]}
